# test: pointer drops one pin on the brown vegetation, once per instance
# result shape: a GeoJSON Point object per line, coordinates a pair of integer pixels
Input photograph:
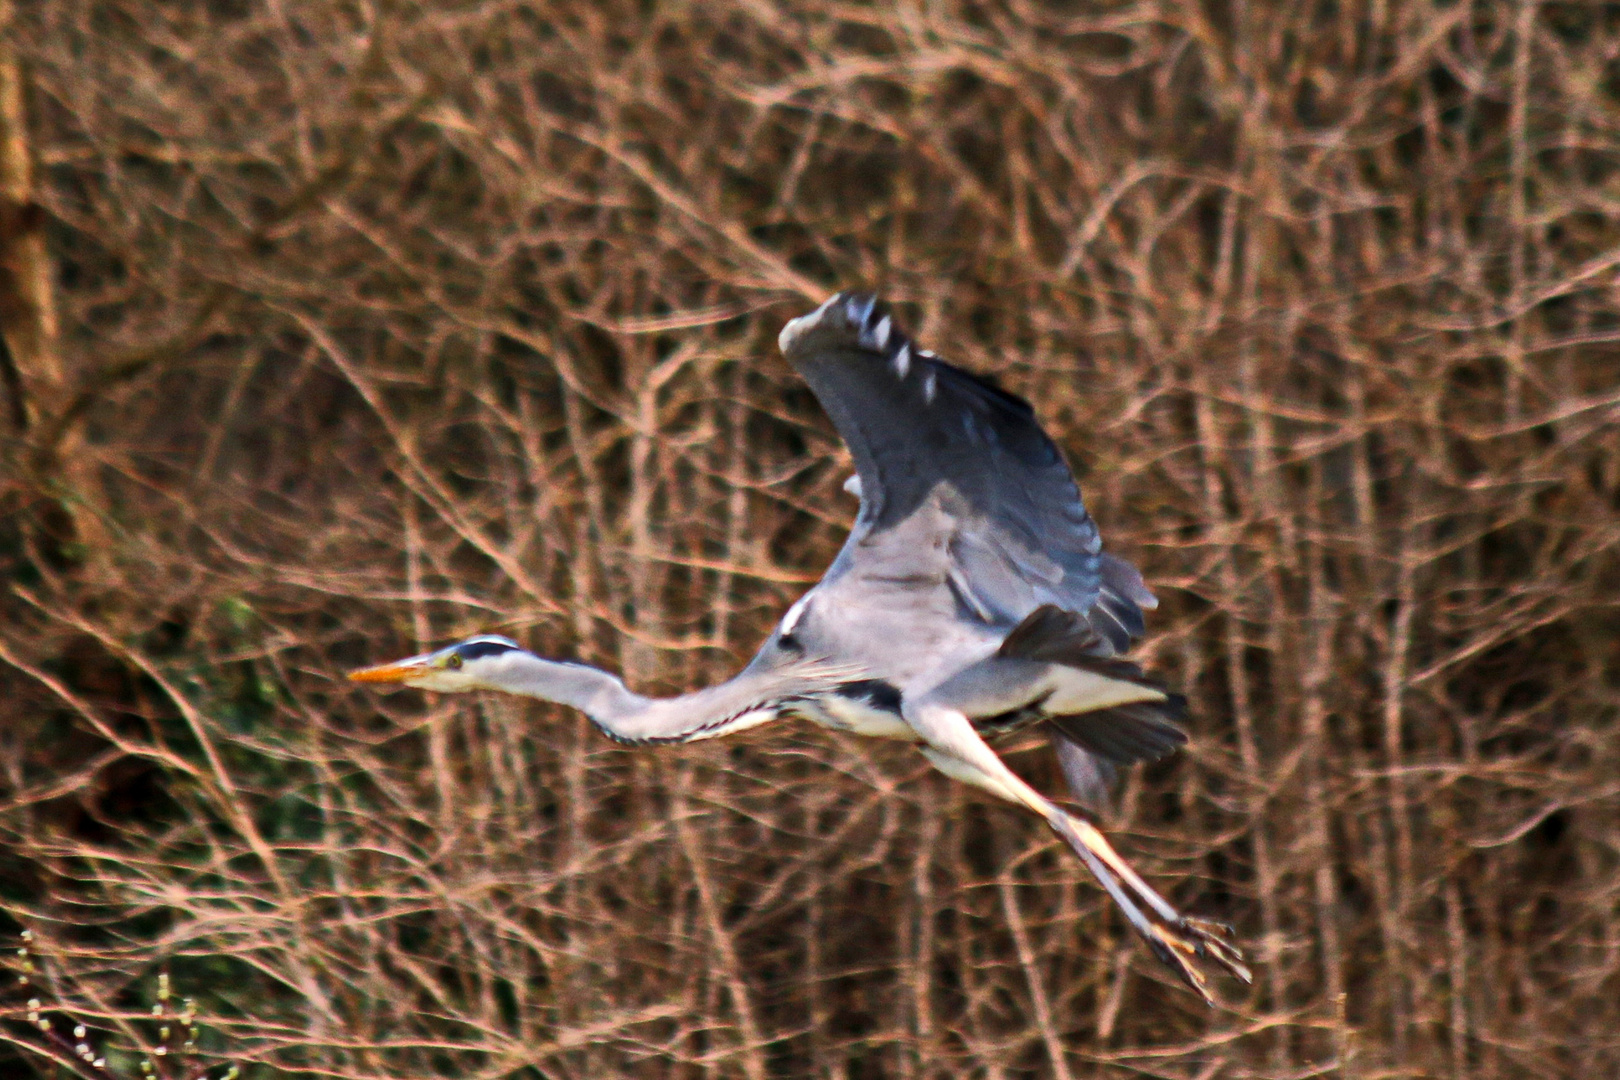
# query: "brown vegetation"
{"type": "Point", "coordinates": [377, 324]}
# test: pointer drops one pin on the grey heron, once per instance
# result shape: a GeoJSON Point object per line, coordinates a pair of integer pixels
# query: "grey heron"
{"type": "Point", "coordinates": [971, 599]}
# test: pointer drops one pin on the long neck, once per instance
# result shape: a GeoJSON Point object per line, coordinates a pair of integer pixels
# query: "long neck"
{"type": "Point", "coordinates": [598, 694]}
{"type": "Point", "coordinates": [628, 716]}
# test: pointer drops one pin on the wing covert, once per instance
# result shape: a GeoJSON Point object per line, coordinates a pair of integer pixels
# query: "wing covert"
{"type": "Point", "coordinates": [920, 429]}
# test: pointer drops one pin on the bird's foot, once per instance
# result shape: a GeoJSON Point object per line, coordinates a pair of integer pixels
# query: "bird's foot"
{"type": "Point", "coordinates": [1188, 944]}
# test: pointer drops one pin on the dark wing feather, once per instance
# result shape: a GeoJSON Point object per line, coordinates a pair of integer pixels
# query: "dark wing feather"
{"type": "Point", "coordinates": [919, 428]}
{"type": "Point", "coordinates": [1141, 731]}
{"type": "Point", "coordinates": [1125, 734]}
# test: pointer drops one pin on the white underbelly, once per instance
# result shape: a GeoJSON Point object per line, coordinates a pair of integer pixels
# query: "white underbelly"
{"type": "Point", "coordinates": [860, 718]}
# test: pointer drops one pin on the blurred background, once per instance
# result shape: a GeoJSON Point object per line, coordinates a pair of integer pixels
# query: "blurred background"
{"type": "Point", "coordinates": [337, 328]}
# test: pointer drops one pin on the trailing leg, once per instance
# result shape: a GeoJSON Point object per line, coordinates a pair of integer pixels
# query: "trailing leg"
{"type": "Point", "coordinates": [1181, 942]}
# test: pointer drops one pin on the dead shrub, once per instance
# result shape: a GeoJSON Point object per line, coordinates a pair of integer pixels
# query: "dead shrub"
{"type": "Point", "coordinates": [378, 324]}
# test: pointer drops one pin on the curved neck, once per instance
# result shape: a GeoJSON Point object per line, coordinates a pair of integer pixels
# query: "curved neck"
{"type": "Point", "coordinates": [598, 694]}
{"type": "Point", "coordinates": [620, 713]}
{"type": "Point", "coordinates": [753, 697]}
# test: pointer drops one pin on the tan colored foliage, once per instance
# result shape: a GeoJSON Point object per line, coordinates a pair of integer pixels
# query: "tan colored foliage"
{"type": "Point", "coordinates": [385, 323]}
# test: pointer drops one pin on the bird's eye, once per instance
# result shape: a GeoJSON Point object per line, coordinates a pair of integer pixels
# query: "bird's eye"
{"type": "Point", "coordinates": [453, 661]}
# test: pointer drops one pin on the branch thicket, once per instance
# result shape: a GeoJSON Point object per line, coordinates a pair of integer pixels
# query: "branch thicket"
{"type": "Point", "coordinates": [380, 324]}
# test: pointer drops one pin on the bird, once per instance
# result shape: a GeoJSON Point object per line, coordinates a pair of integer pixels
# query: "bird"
{"type": "Point", "coordinates": [972, 599]}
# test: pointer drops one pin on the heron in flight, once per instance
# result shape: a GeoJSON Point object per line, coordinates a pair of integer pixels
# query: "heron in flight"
{"type": "Point", "coordinates": [971, 599]}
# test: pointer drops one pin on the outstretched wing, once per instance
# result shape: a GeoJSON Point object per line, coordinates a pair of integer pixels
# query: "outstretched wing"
{"type": "Point", "coordinates": [921, 430]}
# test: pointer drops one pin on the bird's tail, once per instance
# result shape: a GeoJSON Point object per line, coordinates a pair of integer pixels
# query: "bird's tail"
{"type": "Point", "coordinates": [1092, 744]}
{"type": "Point", "coordinates": [1183, 942]}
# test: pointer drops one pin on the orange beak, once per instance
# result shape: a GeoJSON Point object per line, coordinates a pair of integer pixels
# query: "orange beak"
{"type": "Point", "coordinates": [385, 673]}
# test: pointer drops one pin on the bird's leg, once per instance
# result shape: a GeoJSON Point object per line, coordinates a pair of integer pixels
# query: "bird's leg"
{"type": "Point", "coordinates": [1181, 942]}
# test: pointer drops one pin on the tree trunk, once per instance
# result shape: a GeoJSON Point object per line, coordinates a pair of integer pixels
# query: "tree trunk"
{"type": "Point", "coordinates": [47, 494]}
{"type": "Point", "coordinates": [32, 369]}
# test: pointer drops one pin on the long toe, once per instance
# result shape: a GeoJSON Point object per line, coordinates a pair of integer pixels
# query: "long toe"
{"type": "Point", "coordinates": [1189, 945]}
{"type": "Point", "coordinates": [1217, 940]}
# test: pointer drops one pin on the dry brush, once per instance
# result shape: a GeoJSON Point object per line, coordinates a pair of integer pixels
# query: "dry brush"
{"type": "Point", "coordinates": [370, 325]}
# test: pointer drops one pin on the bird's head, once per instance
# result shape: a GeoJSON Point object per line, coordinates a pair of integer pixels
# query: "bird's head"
{"type": "Point", "coordinates": [467, 665]}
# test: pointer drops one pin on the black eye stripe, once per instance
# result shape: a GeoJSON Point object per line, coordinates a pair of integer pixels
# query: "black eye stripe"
{"type": "Point", "coordinates": [477, 650]}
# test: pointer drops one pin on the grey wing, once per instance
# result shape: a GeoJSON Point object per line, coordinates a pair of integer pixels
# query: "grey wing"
{"type": "Point", "coordinates": [926, 434]}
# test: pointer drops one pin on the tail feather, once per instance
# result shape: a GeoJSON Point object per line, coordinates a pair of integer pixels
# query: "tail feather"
{"type": "Point", "coordinates": [1091, 745]}
{"type": "Point", "coordinates": [1126, 734]}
